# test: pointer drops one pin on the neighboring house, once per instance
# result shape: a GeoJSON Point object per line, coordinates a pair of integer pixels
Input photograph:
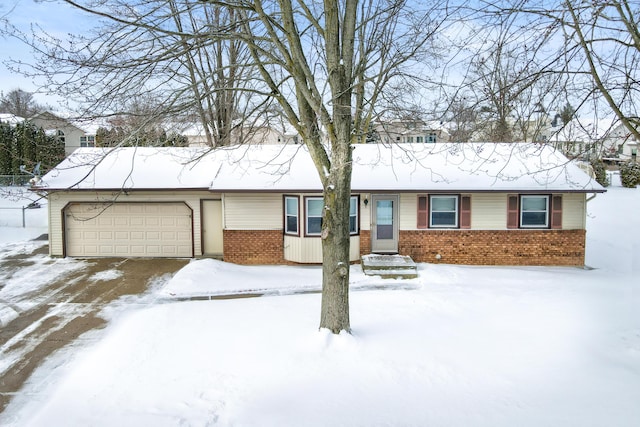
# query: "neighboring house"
{"type": "Point", "coordinates": [621, 144]}
{"type": "Point", "coordinates": [71, 134]}
{"type": "Point", "coordinates": [462, 203]}
{"type": "Point", "coordinates": [263, 134]}
{"type": "Point", "coordinates": [532, 127]}
{"type": "Point", "coordinates": [395, 131]}
{"type": "Point", "coordinates": [409, 131]}
{"type": "Point", "coordinates": [584, 139]}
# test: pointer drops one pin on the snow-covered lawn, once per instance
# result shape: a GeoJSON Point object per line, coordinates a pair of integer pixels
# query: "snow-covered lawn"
{"type": "Point", "coordinates": [458, 346]}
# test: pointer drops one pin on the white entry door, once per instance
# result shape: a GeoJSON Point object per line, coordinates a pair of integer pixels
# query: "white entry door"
{"type": "Point", "coordinates": [212, 227]}
{"type": "Point", "coordinates": [384, 223]}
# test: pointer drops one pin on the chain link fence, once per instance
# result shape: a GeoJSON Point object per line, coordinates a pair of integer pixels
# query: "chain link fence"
{"type": "Point", "coordinates": [14, 180]}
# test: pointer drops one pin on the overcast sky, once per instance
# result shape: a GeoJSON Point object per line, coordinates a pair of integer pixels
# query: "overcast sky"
{"type": "Point", "coordinates": [59, 19]}
{"type": "Point", "coordinates": [53, 16]}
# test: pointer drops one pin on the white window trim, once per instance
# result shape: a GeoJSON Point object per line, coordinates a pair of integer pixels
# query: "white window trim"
{"type": "Point", "coordinates": [297, 215]}
{"type": "Point", "coordinates": [456, 211]}
{"type": "Point", "coordinates": [306, 216]}
{"type": "Point", "coordinates": [356, 214]}
{"type": "Point", "coordinates": [546, 211]}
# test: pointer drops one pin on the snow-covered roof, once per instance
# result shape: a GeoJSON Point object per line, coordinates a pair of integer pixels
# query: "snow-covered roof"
{"type": "Point", "coordinates": [455, 167]}
{"type": "Point", "coordinates": [12, 119]}
{"type": "Point", "coordinates": [132, 168]}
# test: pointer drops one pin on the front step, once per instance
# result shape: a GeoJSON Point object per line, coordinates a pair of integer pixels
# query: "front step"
{"type": "Point", "coordinates": [389, 266]}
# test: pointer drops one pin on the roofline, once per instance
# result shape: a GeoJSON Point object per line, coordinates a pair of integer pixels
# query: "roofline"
{"type": "Point", "coordinates": [317, 190]}
{"type": "Point", "coordinates": [128, 190]}
{"type": "Point", "coordinates": [423, 190]}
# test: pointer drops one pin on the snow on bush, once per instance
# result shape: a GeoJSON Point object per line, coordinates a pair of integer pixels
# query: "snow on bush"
{"type": "Point", "coordinates": [630, 174]}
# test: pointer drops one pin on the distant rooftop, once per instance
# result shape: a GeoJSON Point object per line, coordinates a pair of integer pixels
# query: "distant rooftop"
{"type": "Point", "coordinates": [12, 119]}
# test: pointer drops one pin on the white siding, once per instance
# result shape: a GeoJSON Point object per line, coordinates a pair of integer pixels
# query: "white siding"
{"type": "Point", "coordinates": [255, 211]}
{"type": "Point", "coordinates": [489, 211]}
{"type": "Point", "coordinates": [574, 211]}
{"type": "Point", "coordinates": [408, 212]}
{"type": "Point", "coordinates": [309, 249]}
{"type": "Point", "coordinates": [212, 232]}
{"type": "Point", "coordinates": [365, 212]}
{"type": "Point", "coordinates": [354, 248]}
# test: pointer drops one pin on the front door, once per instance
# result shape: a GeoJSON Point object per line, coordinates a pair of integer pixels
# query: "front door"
{"type": "Point", "coordinates": [212, 227]}
{"type": "Point", "coordinates": [384, 223]}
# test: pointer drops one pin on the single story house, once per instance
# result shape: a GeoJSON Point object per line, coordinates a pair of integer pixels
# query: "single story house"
{"type": "Point", "coordinates": [471, 203]}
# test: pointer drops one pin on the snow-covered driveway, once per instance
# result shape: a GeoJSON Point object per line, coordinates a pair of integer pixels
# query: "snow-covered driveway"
{"type": "Point", "coordinates": [47, 303]}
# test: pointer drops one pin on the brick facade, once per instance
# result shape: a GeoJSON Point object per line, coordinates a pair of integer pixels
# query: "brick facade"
{"type": "Point", "coordinates": [495, 247]}
{"type": "Point", "coordinates": [365, 242]}
{"type": "Point", "coordinates": [254, 246]}
{"type": "Point", "coordinates": [471, 247]}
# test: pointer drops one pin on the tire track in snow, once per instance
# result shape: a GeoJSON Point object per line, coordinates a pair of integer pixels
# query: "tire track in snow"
{"type": "Point", "coordinates": [65, 309]}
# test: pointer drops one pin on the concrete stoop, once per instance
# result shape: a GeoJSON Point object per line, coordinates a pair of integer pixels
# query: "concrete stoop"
{"type": "Point", "coordinates": [389, 266]}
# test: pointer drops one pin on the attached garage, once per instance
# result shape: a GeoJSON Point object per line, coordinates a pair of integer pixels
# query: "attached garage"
{"type": "Point", "coordinates": [189, 202]}
{"type": "Point", "coordinates": [128, 230]}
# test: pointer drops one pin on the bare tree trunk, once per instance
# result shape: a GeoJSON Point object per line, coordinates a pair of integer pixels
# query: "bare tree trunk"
{"type": "Point", "coordinates": [306, 56]}
{"type": "Point", "coordinates": [334, 313]}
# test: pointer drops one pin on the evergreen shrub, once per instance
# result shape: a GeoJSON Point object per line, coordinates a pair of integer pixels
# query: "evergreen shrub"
{"type": "Point", "coordinates": [630, 174]}
{"type": "Point", "coordinates": [600, 170]}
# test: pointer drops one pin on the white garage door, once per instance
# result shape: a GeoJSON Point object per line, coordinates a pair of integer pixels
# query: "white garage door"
{"type": "Point", "coordinates": [128, 230]}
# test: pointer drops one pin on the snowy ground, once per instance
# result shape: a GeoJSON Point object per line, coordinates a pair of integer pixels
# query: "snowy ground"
{"type": "Point", "coordinates": [12, 202]}
{"type": "Point", "coordinates": [459, 346]}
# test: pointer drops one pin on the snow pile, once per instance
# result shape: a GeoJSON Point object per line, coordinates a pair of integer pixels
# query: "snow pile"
{"type": "Point", "coordinates": [209, 277]}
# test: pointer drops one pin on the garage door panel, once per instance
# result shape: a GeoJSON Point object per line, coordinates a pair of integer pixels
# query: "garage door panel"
{"type": "Point", "coordinates": [118, 221]}
{"type": "Point", "coordinates": [92, 250]}
{"type": "Point", "coordinates": [137, 250]}
{"type": "Point", "coordinates": [152, 235]}
{"type": "Point", "coordinates": [105, 249]}
{"type": "Point", "coordinates": [122, 235]}
{"type": "Point", "coordinates": [104, 221]}
{"type": "Point", "coordinates": [182, 236]}
{"type": "Point", "coordinates": [129, 229]}
{"type": "Point", "coordinates": [182, 222]}
{"type": "Point", "coordinates": [152, 221]}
